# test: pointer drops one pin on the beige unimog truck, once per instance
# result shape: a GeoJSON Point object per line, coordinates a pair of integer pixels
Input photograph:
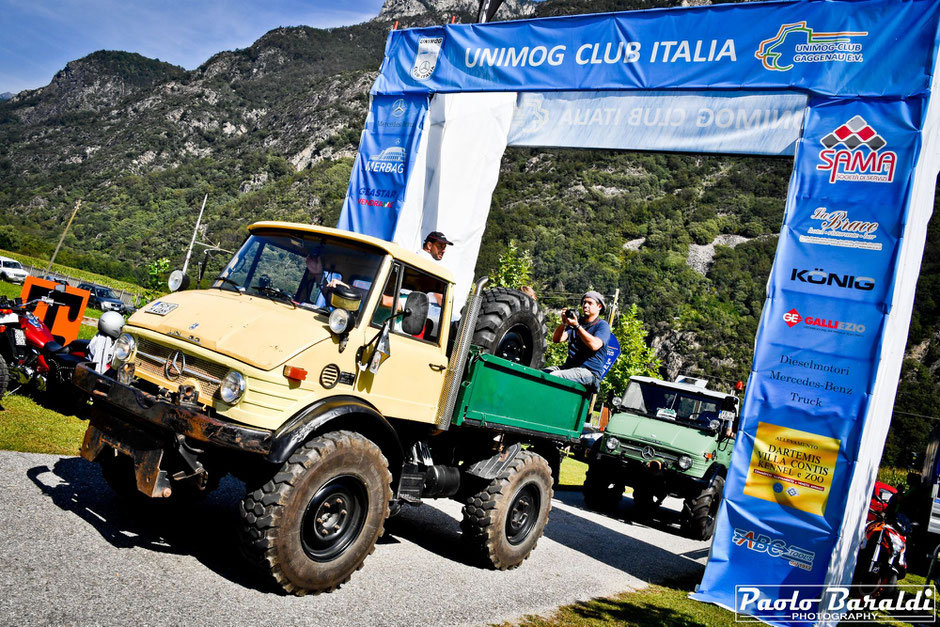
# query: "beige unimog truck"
{"type": "Point", "coordinates": [321, 369]}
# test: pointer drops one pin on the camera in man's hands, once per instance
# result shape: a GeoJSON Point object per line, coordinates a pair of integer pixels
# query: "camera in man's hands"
{"type": "Point", "coordinates": [570, 314]}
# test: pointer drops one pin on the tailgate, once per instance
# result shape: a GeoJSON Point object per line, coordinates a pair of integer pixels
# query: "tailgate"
{"type": "Point", "coordinates": [498, 392]}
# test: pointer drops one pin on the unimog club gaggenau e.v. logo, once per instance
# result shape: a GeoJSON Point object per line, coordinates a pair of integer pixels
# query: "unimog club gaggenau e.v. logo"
{"type": "Point", "coordinates": [780, 53]}
{"type": "Point", "coordinates": [429, 49]}
{"type": "Point", "coordinates": [853, 152]}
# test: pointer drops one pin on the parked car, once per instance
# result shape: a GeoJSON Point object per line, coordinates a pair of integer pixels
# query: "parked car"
{"type": "Point", "coordinates": [55, 279]}
{"type": "Point", "coordinates": [11, 270]}
{"type": "Point", "coordinates": [102, 298]}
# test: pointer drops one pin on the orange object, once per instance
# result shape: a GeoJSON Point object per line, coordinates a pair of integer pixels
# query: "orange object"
{"type": "Point", "coordinates": [64, 317]}
{"type": "Point", "coordinates": [294, 373]}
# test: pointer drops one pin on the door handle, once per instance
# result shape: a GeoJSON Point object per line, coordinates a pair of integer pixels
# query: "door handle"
{"type": "Point", "coordinates": [437, 367]}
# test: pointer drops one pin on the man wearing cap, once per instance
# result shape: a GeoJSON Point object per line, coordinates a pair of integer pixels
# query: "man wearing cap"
{"type": "Point", "coordinates": [587, 340]}
{"type": "Point", "coordinates": [434, 246]}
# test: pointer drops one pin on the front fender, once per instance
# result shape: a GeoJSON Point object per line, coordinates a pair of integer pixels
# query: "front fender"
{"type": "Point", "coordinates": [332, 414]}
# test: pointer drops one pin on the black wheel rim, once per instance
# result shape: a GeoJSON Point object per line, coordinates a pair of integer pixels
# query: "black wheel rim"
{"type": "Point", "coordinates": [334, 518]}
{"type": "Point", "coordinates": [515, 346]}
{"type": "Point", "coordinates": [523, 514]}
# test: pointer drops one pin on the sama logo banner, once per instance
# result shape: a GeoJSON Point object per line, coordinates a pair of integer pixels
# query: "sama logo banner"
{"type": "Point", "coordinates": [386, 154]}
{"type": "Point", "coordinates": [818, 346]}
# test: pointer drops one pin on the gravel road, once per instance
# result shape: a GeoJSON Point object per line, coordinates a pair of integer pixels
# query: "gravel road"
{"type": "Point", "coordinates": [71, 553]}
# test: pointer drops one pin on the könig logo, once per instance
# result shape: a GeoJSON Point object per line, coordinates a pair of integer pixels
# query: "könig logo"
{"type": "Point", "coordinates": [851, 153]}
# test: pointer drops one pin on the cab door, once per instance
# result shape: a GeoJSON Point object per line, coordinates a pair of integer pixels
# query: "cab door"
{"type": "Point", "coordinates": [408, 383]}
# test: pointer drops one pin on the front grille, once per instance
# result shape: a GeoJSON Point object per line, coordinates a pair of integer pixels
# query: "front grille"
{"type": "Point", "coordinates": [152, 358]}
{"type": "Point", "coordinates": [651, 453]}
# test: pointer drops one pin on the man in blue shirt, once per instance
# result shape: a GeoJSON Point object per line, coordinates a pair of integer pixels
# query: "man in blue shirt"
{"type": "Point", "coordinates": [587, 338]}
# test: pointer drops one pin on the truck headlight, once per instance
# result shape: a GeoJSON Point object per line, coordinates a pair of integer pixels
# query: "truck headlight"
{"type": "Point", "coordinates": [125, 347]}
{"type": "Point", "coordinates": [612, 444]}
{"type": "Point", "coordinates": [233, 387]}
{"type": "Point", "coordinates": [340, 321]}
{"type": "Point", "coordinates": [685, 462]}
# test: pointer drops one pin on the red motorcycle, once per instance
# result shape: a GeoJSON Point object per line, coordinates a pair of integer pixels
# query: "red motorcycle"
{"type": "Point", "coordinates": [29, 354]}
{"type": "Point", "coordinates": [882, 560]}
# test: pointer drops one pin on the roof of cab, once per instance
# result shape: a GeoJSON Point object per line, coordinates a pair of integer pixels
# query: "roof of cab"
{"type": "Point", "coordinates": [408, 256]}
{"type": "Point", "coordinates": [685, 387]}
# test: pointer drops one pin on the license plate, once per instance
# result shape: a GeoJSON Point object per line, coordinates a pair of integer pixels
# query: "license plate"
{"type": "Point", "coordinates": [19, 337]}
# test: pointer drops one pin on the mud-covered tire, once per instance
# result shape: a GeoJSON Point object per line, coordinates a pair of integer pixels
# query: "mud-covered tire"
{"type": "Point", "coordinates": [699, 512]}
{"type": "Point", "coordinates": [602, 491]}
{"type": "Point", "coordinates": [512, 326]}
{"type": "Point", "coordinates": [4, 377]}
{"type": "Point", "coordinates": [502, 523]}
{"type": "Point", "coordinates": [315, 522]}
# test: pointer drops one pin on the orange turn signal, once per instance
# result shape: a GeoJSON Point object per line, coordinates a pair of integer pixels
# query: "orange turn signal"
{"type": "Point", "coordinates": [294, 373]}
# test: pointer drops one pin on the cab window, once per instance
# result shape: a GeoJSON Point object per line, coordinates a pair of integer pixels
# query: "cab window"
{"type": "Point", "coordinates": [402, 281]}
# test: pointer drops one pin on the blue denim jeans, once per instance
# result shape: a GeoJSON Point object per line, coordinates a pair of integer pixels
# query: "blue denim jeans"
{"type": "Point", "coordinates": [581, 375]}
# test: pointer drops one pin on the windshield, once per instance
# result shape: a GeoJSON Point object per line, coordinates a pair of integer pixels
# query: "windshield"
{"type": "Point", "coordinates": [105, 292]}
{"type": "Point", "coordinates": [12, 264]}
{"type": "Point", "coordinates": [670, 404]}
{"type": "Point", "coordinates": [301, 268]}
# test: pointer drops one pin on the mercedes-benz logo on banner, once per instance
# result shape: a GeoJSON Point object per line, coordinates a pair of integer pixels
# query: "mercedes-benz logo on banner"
{"type": "Point", "coordinates": [174, 366]}
{"type": "Point", "coordinates": [648, 452]}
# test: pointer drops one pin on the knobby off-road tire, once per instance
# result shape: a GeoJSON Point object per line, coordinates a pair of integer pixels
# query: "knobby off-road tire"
{"type": "Point", "coordinates": [511, 325]}
{"type": "Point", "coordinates": [316, 521]}
{"type": "Point", "coordinates": [699, 512]}
{"type": "Point", "coordinates": [502, 524]}
{"type": "Point", "coordinates": [602, 490]}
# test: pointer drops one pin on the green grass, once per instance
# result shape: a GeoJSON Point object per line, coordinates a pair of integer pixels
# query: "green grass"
{"type": "Point", "coordinates": [572, 473]}
{"type": "Point", "coordinates": [653, 606]}
{"type": "Point", "coordinates": [31, 427]}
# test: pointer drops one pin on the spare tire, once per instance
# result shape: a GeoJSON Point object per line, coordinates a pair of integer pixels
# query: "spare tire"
{"type": "Point", "coordinates": [512, 326]}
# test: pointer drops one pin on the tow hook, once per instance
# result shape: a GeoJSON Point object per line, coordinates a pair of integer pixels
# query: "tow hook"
{"type": "Point", "coordinates": [189, 454]}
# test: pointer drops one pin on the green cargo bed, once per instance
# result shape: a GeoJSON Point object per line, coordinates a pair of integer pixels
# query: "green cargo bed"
{"type": "Point", "coordinates": [502, 394]}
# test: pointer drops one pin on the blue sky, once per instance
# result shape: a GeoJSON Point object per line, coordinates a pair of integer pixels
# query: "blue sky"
{"type": "Point", "coordinates": [38, 37]}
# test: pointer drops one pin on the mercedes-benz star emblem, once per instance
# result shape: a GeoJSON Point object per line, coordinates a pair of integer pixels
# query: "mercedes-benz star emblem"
{"type": "Point", "coordinates": [648, 452]}
{"type": "Point", "coordinates": [174, 366]}
{"type": "Point", "coordinates": [398, 108]}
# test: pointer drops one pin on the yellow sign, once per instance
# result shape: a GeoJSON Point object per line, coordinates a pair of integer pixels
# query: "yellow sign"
{"type": "Point", "coordinates": [793, 468]}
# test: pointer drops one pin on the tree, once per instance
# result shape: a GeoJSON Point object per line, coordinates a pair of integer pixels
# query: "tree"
{"type": "Point", "coordinates": [636, 357]}
{"type": "Point", "coordinates": [513, 268]}
{"type": "Point", "coordinates": [156, 271]}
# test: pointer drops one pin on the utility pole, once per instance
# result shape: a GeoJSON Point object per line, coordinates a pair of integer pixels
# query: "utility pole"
{"type": "Point", "coordinates": [195, 231]}
{"type": "Point", "coordinates": [62, 238]}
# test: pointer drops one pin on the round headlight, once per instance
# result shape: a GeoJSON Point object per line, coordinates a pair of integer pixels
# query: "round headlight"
{"type": "Point", "coordinates": [713, 425]}
{"type": "Point", "coordinates": [124, 349]}
{"type": "Point", "coordinates": [612, 443]}
{"type": "Point", "coordinates": [685, 462]}
{"type": "Point", "coordinates": [233, 387]}
{"type": "Point", "coordinates": [340, 321]}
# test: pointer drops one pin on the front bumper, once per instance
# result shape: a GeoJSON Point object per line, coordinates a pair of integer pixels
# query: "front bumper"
{"type": "Point", "coordinates": [143, 427]}
{"type": "Point", "coordinates": [656, 477]}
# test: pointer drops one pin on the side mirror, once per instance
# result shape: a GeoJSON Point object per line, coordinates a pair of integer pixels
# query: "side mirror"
{"type": "Point", "coordinates": [416, 313]}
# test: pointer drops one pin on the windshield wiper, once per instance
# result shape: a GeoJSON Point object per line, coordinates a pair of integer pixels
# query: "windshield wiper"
{"type": "Point", "coordinates": [238, 288]}
{"type": "Point", "coordinates": [275, 294]}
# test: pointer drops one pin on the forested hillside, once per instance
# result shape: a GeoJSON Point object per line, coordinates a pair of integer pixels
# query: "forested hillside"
{"type": "Point", "coordinates": [269, 132]}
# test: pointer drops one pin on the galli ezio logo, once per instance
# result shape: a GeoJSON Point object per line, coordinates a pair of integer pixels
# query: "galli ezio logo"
{"type": "Point", "coordinates": [853, 152]}
{"type": "Point", "coordinates": [793, 318]}
{"type": "Point", "coordinates": [798, 43]}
